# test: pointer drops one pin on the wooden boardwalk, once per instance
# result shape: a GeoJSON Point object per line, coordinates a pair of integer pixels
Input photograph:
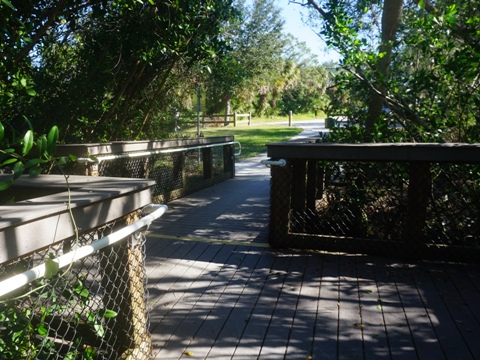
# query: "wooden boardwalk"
{"type": "Point", "coordinates": [217, 291]}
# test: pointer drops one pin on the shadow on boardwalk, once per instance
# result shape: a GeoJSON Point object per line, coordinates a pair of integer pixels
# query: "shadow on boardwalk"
{"type": "Point", "coordinates": [217, 291]}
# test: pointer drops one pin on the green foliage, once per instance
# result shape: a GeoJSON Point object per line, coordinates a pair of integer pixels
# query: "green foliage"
{"type": "Point", "coordinates": [103, 70]}
{"type": "Point", "coordinates": [426, 74]}
{"type": "Point", "coordinates": [265, 71]}
{"type": "Point", "coordinates": [18, 154]}
{"type": "Point", "coordinates": [308, 93]}
{"type": "Point", "coordinates": [26, 331]}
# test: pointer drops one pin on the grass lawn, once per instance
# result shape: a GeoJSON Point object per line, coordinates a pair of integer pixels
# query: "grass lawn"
{"type": "Point", "coordinates": [253, 138]}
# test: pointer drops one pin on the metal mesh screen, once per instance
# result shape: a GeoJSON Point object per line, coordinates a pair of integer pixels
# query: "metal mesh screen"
{"type": "Point", "coordinates": [95, 309]}
{"type": "Point", "coordinates": [394, 202]}
{"type": "Point", "coordinates": [175, 173]}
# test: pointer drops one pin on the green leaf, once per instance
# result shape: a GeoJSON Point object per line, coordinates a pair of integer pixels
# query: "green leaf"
{"type": "Point", "coordinates": [51, 268]}
{"type": "Point", "coordinates": [9, 161]}
{"type": "Point", "coordinates": [73, 157]}
{"type": "Point", "coordinates": [34, 171]}
{"type": "Point", "coordinates": [18, 170]}
{"type": "Point", "coordinates": [28, 122]}
{"type": "Point", "coordinates": [52, 140]}
{"type": "Point", "coordinates": [31, 91]}
{"type": "Point", "coordinates": [33, 162]}
{"type": "Point", "coordinates": [8, 3]}
{"type": "Point", "coordinates": [4, 185]}
{"type": "Point", "coordinates": [99, 330]}
{"type": "Point", "coordinates": [2, 132]}
{"type": "Point", "coordinates": [27, 142]}
{"type": "Point", "coordinates": [90, 354]}
{"type": "Point", "coordinates": [42, 329]}
{"type": "Point", "coordinates": [421, 4]}
{"type": "Point", "coordinates": [41, 145]}
{"type": "Point", "coordinates": [82, 291]}
{"type": "Point", "coordinates": [90, 316]}
{"type": "Point", "coordinates": [62, 161]}
{"type": "Point", "coordinates": [107, 314]}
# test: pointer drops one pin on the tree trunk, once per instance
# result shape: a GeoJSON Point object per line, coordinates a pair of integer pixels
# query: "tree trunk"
{"type": "Point", "coordinates": [391, 17]}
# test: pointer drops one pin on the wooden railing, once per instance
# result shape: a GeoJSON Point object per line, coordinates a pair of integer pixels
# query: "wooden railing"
{"type": "Point", "coordinates": [409, 200]}
{"type": "Point", "coordinates": [221, 119]}
{"type": "Point", "coordinates": [179, 167]}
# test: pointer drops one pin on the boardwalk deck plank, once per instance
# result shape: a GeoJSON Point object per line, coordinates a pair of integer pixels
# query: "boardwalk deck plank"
{"type": "Point", "coordinates": [326, 329]}
{"type": "Point", "coordinates": [167, 323]}
{"type": "Point", "coordinates": [449, 316]}
{"type": "Point", "coordinates": [279, 341]}
{"type": "Point", "coordinates": [216, 291]}
{"type": "Point", "coordinates": [227, 341]}
{"type": "Point", "coordinates": [227, 283]}
{"type": "Point", "coordinates": [252, 338]}
{"type": "Point", "coordinates": [349, 326]}
{"type": "Point", "coordinates": [400, 338]}
{"type": "Point", "coordinates": [412, 294]}
{"type": "Point", "coordinates": [303, 328]}
{"type": "Point", "coordinates": [375, 340]}
{"type": "Point", "coordinates": [164, 284]}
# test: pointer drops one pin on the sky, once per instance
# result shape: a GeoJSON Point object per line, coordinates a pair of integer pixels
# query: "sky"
{"type": "Point", "coordinates": [292, 14]}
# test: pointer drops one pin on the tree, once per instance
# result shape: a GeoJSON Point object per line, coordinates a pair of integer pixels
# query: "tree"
{"type": "Point", "coordinates": [425, 43]}
{"type": "Point", "coordinates": [103, 70]}
{"type": "Point", "coordinates": [254, 60]}
{"type": "Point", "coordinates": [308, 93]}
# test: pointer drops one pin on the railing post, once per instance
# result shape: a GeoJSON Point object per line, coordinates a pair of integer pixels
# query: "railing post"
{"type": "Point", "coordinates": [298, 195]}
{"type": "Point", "coordinates": [290, 118]}
{"type": "Point", "coordinates": [87, 168]}
{"type": "Point", "coordinates": [179, 175]}
{"type": "Point", "coordinates": [207, 163]}
{"type": "Point", "coordinates": [123, 279]}
{"type": "Point", "coordinates": [419, 190]}
{"type": "Point", "coordinates": [249, 118]}
{"type": "Point", "coordinates": [312, 185]}
{"type": "Point", "coordinates": [228, 160]}
{"type": "Point", "coordinates": [234, 119]}
{"type": "Point", "coordinates": [280, 205]}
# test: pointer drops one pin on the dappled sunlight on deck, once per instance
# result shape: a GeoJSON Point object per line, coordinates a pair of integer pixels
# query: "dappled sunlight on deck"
{"type": "Point", "coordinates": [217, 291]}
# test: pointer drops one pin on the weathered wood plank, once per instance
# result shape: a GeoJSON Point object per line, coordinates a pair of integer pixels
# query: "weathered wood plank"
{"type": "Point", "coordinates": [172, 269]}
{"type": "Point", "coordinates": [228, 301]}
{"type": "Point", "coordinates": [227, 341]}
{"type": "Point", "coordinates": [446, 311]}
{"type": "Point", "coordinates": [326, 330]}
{"type": "Point", "coordinates": [302, 334]}
{"type": "Point", "coordinates": [400, 338]}
{"type": "Point", "coordinates": [349, 331]}
{"type": "Point", "coordinates": [375, 340]}
{"type": "Point", "coordinates": [427, 344]}
{"type": "Point", "coordinates": [220, 303]}
{"type": "Point", "coordinates": [178, 314]}
{"type": "Point", "coordinates": [252, 338]}
{"type": "Point", "coordinates": [278, 337]}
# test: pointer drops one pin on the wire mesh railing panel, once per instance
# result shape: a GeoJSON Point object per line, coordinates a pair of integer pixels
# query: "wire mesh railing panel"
{"type": "Point", "coordinates": [358, 200]}
{"type": "Point", "coordinates": [454, 207]}
{"type": "Point", "coordinates": [93, 309]}
{"type": "Point", "coordinates": [371, 204]}
{"type": "Point", "coordinates": [176, 173]}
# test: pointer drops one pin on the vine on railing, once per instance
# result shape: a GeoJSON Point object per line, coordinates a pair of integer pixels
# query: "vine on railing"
{"type": "Point", "coordinates": [25, 318]}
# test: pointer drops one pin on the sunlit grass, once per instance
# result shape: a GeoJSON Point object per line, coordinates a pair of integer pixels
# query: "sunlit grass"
{"type": "Point", "coordinates": [253, 139]}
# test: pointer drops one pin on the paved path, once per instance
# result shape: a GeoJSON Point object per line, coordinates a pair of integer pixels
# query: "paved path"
{"type": "Point", "coordinates": [217, 291]}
